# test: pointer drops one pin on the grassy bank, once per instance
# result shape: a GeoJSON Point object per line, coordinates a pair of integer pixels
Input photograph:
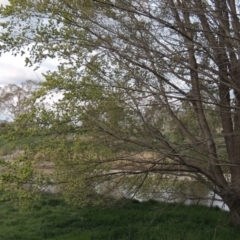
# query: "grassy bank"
{"type": "Point", "coordinates": [51, 218]}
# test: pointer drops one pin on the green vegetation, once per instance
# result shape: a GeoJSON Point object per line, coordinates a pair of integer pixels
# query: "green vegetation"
{"type": "Point", "coordinates": [148, 91]}
{"type": "Point", "coordinates": [8, 147]}
{"type": "Point", "coordinates": [51, 218]}
{"type": "Point", "coordinates": [5, 148]}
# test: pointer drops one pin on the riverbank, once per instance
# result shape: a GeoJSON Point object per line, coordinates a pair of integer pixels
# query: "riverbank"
{"type": "Point", "coordinates": [51, 218]}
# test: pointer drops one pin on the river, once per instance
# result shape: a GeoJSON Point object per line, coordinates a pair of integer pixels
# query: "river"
{"type": "Point", "coordinates": [188, 193]}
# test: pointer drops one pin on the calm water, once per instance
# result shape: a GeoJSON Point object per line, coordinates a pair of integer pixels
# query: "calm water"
{"type": "Point", "coordinates": [188, 193]}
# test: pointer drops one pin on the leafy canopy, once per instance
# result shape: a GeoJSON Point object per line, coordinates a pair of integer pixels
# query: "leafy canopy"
{"type": "Point", "coordinates": [149, 88]}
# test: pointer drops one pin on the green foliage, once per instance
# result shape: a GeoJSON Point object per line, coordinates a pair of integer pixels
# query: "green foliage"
{"type": "Point", "coordinates": [140, 95]}
{"type": "Point", "coordinates": [51, 218]}
{"type": "Point", "coordinates": [5, 148]}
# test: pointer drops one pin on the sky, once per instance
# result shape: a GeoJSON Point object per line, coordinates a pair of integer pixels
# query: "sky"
{"type": "Point", "coordinates": [13, 70]}
{"type": "Point", "coordinates": [3, 2]}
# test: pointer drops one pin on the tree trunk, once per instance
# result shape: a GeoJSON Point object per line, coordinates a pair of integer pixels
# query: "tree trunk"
{"type": "Point", "coordinates": [232, 200]}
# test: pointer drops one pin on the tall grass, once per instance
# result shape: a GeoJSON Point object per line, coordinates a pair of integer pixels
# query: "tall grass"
{"type": "Point", "coordinates": [51, 218]}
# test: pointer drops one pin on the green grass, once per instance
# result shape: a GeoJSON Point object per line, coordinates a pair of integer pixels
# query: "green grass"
{"type": "Point", "coordinates": [51, 218]}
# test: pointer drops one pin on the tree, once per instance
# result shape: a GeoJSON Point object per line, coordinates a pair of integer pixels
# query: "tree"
{"type": "Point", "coordinates": [129, 73]}
{"type": "Point", "coordinates": [13, 98]}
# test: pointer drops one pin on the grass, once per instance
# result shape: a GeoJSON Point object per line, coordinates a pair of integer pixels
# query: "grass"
{"type": "Point", "coordinates": [51, 218]}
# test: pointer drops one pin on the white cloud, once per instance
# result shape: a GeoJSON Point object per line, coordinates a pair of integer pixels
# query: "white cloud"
{"type": "Point", "coordinates": [4, 2]}
{"type": "Point", "coordinates": [13, 70]}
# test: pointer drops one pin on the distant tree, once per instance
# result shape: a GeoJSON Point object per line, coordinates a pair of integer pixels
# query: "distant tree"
{"type": "Point", "coordinates": [13, 98]}
{"type": "Point", "coordinates": [136, 76]}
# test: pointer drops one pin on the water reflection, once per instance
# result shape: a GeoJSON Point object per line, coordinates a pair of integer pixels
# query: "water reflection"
{"type": "Point", "coordinates": [186, 192]}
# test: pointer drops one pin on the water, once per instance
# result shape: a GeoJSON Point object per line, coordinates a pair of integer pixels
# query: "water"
{"type": "Point", "coordinates": [187, 193]}
{"type": "Point", "coordinates": [209, 199]}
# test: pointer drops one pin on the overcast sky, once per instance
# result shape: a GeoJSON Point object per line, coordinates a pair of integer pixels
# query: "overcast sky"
{"type": "Point", "coordinates": [13, 70]}
{"type": "Point", "coordinates": [3, 2]}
